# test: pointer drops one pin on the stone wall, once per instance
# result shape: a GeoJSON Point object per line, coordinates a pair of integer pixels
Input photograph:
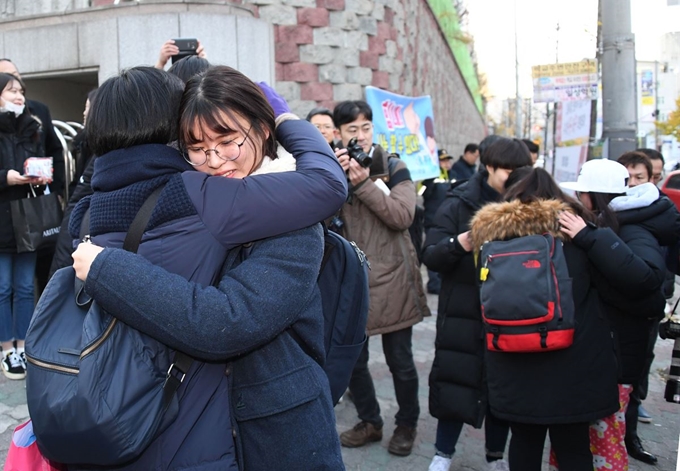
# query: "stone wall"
{"type": "Point", "coordinates": [328, 50]}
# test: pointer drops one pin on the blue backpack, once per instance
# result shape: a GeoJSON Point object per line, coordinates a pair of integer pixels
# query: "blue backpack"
{"type": "Point", "coordinates": [98, 391]}
{"type": "Point", "coordinates": [343, 283]}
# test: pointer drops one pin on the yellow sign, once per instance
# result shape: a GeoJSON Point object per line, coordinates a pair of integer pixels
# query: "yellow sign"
{"type": "Point", "coordinates": [561, 70]}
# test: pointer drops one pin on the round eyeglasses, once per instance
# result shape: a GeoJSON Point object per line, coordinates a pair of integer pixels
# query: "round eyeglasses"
{"type": "Point", "coordinates": [227, 151]}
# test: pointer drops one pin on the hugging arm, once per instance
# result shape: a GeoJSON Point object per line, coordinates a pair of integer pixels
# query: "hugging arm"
{"type": "Point", "coordinates": [252, 304]}
{"type": "Point", "coordinates": [239, 211]}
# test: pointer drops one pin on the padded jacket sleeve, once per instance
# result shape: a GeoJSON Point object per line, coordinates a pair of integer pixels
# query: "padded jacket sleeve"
{"type": "Point", "coordinates": [440, 254]}
{"type": "Point", "coordinates": [633, 263]}
{"type": "Point", "coordinates": [237, 211]}
{"type": "Point", "coordinates": [252, 304]}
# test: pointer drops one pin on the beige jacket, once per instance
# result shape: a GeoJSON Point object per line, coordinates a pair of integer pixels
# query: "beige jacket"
{"type": "Point", "coordinates": [379, 223]}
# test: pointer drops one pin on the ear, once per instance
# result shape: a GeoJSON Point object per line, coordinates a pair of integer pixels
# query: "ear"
{"type": "Point", "coordinates": [336, 134]}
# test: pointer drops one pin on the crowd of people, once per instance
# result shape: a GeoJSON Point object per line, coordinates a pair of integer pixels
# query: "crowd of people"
{"type": "Point", "coordinates": [234, 166]}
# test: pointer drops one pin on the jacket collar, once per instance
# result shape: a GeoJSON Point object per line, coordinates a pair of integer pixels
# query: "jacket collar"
{"type": "Point", "coordinates": [502, 221]}
{"type": "Point", "coordinates": [123, 167]}
{"type": "Point", "coordinates": [471, 191]}
{"type": "Point", "coordinates": [637, 197]}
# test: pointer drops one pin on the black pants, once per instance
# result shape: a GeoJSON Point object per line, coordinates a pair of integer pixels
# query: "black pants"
{"type": "Point", "coordinates": [639, 392]}
{"type": "Point", "coordinates": [399, 357]}
{"type": "Point", "coordinates": [571, 443]}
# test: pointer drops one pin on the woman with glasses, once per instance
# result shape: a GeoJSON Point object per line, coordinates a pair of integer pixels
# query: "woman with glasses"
{"type": "Point", "coordinates": [256, 400]}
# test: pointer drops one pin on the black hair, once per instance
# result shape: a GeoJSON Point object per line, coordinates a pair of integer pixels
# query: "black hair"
{"type": "Point", "coordinates": [6, 78]}
{"type": "Point", "coordinates": [606, 217]}
{"type": "Point", "coordinates": [139, 106]}
{"type": "Point", "coordinates": [319, 111]}
{"type": "Point", "coordinates": [506, 153]}
{"type": "Point", "coordinates": [348, 111]}
{"type": "Point", "coordinates": [92, 94]}
{"type": "Point", "coordinates": [534, 184]}
{"type": "Point", "coordinates": [223, 91]}
{"type": "Point", "coordinates": [189, 66]}
{"type": "Point", "coordinates": [518, 174]}
{"type": "Point", "coordinates": [531, 145]}
{"type": "Point", "coordinates": [471, 148]}
{"type": "Point", "coordinates": [631, 159]}
{"type": "Point", "coordinates": [486, 142]}
{"type": "Point", "coordinates": [652, 154]}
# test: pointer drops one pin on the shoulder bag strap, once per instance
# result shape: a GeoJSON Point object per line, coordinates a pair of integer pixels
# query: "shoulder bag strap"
{"type": "Point", "coordinates": [182, 362]}
{"type": "Point", "coordinates": [134, 234]}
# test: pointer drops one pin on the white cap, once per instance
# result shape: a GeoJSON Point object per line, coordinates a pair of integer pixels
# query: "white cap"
{"type": "Point", "coordinates": [600, 176]}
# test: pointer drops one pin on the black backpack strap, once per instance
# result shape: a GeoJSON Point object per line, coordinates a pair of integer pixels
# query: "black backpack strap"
{"type": "Point", "coordinates": [396, 176]}
{"type": "Point", "coordinates": [134, 234]}
{"type": "Point", "coordinates": [85, 225]}
{"type": "Point", "coordinates": [182, 362]}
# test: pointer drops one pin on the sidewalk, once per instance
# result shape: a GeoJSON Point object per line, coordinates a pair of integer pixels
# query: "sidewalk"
{"type": "Point", "coordinates": [660, 437]}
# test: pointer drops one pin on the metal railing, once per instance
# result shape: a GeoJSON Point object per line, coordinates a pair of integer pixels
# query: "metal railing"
{"type": "Point", "coordinates": [65, 132]}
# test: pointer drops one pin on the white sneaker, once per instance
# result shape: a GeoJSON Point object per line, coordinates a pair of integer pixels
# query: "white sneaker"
{"type": "Point", "coordinates": [439, 463]}
{"type": "Point", "coordinates": [498, 465]}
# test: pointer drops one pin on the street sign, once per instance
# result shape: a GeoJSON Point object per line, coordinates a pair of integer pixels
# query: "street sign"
{"type": "Point", "coordinates": [565, 82]}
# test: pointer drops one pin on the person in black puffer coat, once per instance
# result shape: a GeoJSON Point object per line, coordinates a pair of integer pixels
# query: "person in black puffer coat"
{"type": "Point", "coordinates": [19, 140]}
{"type": "Point", "coordinates": [559, 391]}
{"type": "Point", "coordinates": [457, 380]}
{"type": "Point", "coordinates": [643, 221]}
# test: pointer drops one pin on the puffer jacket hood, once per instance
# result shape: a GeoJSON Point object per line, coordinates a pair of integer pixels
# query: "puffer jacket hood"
{"type": "Point", "coordinates": [501, 221]}
{"type": "Point", "coordinates": [661, 218]}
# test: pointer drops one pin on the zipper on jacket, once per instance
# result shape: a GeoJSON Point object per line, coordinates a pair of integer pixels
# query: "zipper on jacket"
{"type": "Point", "coordinates": [101, 339]}
{"type": "Point", "coordinates": [51, 366]}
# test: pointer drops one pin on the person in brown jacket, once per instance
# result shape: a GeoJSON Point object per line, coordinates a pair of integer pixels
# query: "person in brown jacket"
{"type": "Point", "coordinates": [377, 216]}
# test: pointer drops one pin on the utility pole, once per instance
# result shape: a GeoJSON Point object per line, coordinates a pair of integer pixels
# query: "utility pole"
{"type": "Point", "coordinates": [518, 104]}
{"type": "Point", "coordinates": [619, 112]}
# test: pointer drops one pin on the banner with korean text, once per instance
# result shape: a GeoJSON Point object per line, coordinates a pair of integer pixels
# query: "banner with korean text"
{"type": "Point", "coordinates": [405, 126]}
{"type": "Point", "coordinates": [565, 82]}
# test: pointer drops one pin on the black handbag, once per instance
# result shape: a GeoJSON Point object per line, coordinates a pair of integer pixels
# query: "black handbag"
{"type": "Point", "coordinates": [36, 221]}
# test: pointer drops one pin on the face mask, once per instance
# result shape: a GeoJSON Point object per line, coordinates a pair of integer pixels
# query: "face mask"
{"type": "Point", "coordinates": [16, 109]}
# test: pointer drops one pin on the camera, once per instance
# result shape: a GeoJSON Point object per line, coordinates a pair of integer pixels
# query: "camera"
{"type": "Point", "coordinates": [357, 153]}
{"type": "Point", "coordinates": [336, 225]}
{"type": "Point", "coordinates": [671, 330]}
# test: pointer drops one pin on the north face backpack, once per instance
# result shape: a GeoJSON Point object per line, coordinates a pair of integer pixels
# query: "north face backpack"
{"type": "Point", "coordinates": [343, 282]}
{"type": "Point", "coordinates": [98, 391]}
{"type": "Point", "coordinates": [526, 297]}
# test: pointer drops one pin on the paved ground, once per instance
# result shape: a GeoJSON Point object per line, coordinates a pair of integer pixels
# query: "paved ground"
{"type": "Point", "coordinates": [661, 437]}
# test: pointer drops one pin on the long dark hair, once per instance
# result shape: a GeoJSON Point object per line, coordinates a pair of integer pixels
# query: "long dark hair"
{"type": "Point", "coordinates": [606, 217]}
{"type": "Point", "coordinates": [535, 184]}
{"type": "Point", "coordinates": [223, 91]}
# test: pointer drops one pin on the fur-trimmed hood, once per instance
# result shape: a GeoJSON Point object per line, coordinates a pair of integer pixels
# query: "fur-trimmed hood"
{"type": "Point", "coordinates": [501, 221]}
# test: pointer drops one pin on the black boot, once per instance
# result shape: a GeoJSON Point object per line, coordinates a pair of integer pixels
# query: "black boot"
{"type": "Point", "coordinates": [635, 450]}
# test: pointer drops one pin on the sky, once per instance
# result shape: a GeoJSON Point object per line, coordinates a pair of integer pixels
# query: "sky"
{"type": "Point", "coordinates": [538, 42]}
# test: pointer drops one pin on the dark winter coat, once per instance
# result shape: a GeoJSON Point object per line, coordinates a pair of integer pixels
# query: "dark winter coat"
{"type": "Point", "coordinates": [19, 140]}
{"type": "Point", "coordinates": [457, 385]}
{"type": "Point", "coordinates": [64, 247]}
{"type": "Point", "coordinates": [434, 195]}
{"type": "Point", "coordinates": [579, 383]}
{"type": "Point", "coordinates": [633, 308]}
{"type": "Point", "coordinates": [196, 221]}
{"type": "Point", "coordinates": [50, 144]}
{"type": "Point", "coordinates": [461, 170]}
{"type": "Point", "coordinates": [282, 414]}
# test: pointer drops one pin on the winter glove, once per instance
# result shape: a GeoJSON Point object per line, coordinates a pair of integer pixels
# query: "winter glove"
{"type": "Point", "coordinates": [275, 100]}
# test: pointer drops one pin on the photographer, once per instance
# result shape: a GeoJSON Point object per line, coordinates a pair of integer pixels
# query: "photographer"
{"type": "Point", "coordinates": [377, 216]}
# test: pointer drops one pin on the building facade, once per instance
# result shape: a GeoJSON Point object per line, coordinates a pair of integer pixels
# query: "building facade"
{"type": "Point", "coordinates": [316, 52]}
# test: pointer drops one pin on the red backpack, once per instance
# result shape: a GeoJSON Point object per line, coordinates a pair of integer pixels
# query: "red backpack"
{"type": "Point", "coordinates": [526, 297]}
